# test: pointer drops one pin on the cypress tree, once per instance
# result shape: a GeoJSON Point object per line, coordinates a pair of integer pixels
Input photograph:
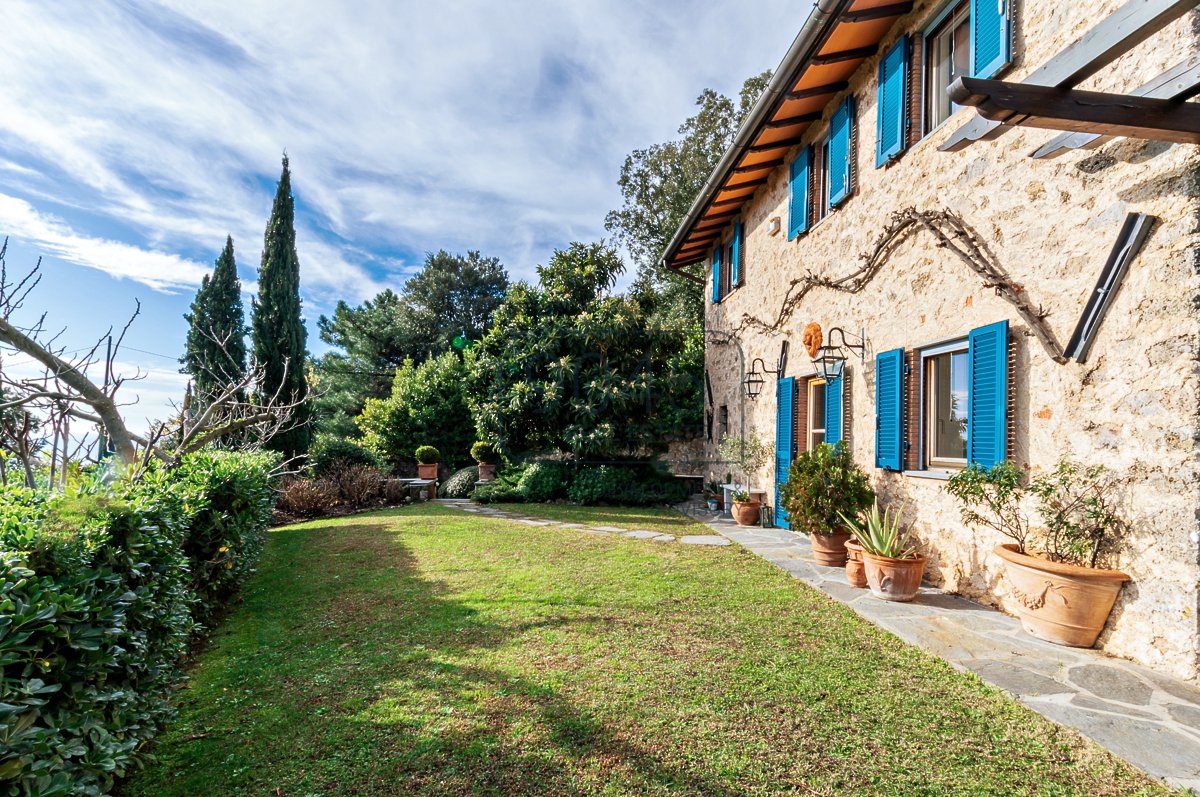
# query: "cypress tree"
{"type": "Point", "coordinates": [278, 333]}
{"type": "Point", "coordinates": [215, 353]}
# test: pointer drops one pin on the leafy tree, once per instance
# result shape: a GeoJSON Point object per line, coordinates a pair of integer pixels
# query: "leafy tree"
{"type": "Point", "coordinates": [427, 406]}
{"type": "Point", "coordinates": [568, 367]}
{"type": "Point", "coordinates": [660, 183]}
{"type": "Point", "coordinates": [215, 352]}
{"type": "Point", "coordinates": [452, 295]}
{"type": "Point", "coordinates": [280, 340]}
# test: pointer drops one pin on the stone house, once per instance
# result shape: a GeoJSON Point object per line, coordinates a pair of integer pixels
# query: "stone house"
{"type": "Point", "coordinates": [969, 270]}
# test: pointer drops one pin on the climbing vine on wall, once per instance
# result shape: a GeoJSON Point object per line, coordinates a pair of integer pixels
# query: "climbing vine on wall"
{"type": "Point", "coordinates": [952, 233]}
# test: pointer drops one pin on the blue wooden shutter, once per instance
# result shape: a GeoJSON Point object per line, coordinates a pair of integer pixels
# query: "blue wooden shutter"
{"type": "Point", "coordinates": [987, 396]}
{"type": "Point", "coordinates": [785, 409]}
{"type": "Point", "coordinates": [798, 193]}
{"type": "Point", "coordinates": [991, 36]}
{"type": "Point", "coordinates": [833, 410]}
{"type": "Point", "coordinates": [889, 410]}
{"type": "Point", "coordinates": [716, 274]}
{"type": "Point", "coordinates": [736, 256]}
{"type": "Point", "coordinates": [841, 128]}
{"type": "Point", "coordinates": [893, 104]}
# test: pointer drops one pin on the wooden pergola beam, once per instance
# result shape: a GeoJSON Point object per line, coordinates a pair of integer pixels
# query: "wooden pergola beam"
{"type": "Point", "coordinates": [1112, 37]}
{"type": "Point", "coordinates": [1179, 83]}
{"type": "Point", "coordinates": [817, 91]}
{"type": "Point", "coordinates": [845, 55]}
{"type": "Point", "coordinates": [1025, 105]}
{"type": "Point", "coordinates": [881, 12]}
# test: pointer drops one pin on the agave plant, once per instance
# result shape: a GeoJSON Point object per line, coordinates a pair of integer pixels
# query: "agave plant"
{"type": "Point", "coordinates": [879, 533]}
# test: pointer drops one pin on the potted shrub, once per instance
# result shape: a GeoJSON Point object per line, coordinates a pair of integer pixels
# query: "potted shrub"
{"type": "Point", "coordinates": [1063, 595]}
{"type": "Point", "coordinates": [427, 462]}
{"type": "Point", "coordinates": [823, 484]}
{"type": "Point", "coordinates": [486, 455]}
{"type": "Point", "coordinates": [746, 511]}
{"type": "Point", "coordinates": [891, 563]}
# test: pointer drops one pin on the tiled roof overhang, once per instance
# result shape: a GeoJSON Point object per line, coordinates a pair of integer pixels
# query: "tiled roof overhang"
{"type": "Point", "coordinates": [835, 39]}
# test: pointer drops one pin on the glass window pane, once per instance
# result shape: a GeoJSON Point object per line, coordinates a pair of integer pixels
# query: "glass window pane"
{"type": "Point", "coordinates": [817, 438]}
{"type": "Point", "coordinates": [949, 386]}
{"type": "Point", "coordinates": [816, 406]}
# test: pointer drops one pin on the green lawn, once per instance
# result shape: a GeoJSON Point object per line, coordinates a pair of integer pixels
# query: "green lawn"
{"type": "Point", "coordinates": [427, 651]}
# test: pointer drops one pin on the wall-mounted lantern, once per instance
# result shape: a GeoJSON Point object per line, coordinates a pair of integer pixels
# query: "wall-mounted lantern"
{"type": "Point", "coordinates": [755, 380]}
{"type": "Point", "coordinates": [831, 359]}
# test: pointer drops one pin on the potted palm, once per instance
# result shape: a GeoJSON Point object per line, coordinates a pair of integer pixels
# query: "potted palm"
{"type": "Point", "coordinates": [486, 455]}
{"type": "Point", "coordinates": [427, 462]}
{"type": "Point", "coordinates": [1063, 594]}
{"type": "Point", "coordinates": [822, 484]}
{"type": "Point", "coordinates": [891, 564]}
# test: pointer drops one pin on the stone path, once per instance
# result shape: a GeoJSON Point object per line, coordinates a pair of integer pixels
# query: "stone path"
{"type": "Point", "coordinates": [637, 534]}
{"type": "Point", "coordinates": [1149, 719]}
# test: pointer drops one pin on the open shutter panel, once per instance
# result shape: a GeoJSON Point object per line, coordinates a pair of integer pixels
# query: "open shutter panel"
{"type": "Point", "coordinates": [785, 396]}
{"type": "Point", "coordinates": [889, 410]}
{"type": "Point", "coordinates": [716, 274]}
{"type": "Point", "coordinates": [798, 203]}
{"type": "Point", "coordinates": [736, 256]}
{"type": "Point", "coordinates": [893, 104]}
{"type": "Point", "coordinates": [833, 410]}
{"type": "Point", "coordinates": [841, 127]}
{"type": "Point", "coordinates": [991, 36]}
{"type": "Point", "coordinates": [987, 396]}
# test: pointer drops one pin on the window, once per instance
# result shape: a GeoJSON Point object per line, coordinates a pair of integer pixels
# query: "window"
{"type": "Point", "coordinates": [947, 58]}
{"type": "Point", "coordinates": [945, 373]}
{"type": "Point", "coordinates": [820, 192]}
{"type": "Point", "coordinates": [727, 271]}
{"type": "Point", "coordinates": [723, 420]}
{"type": "Point", "coordinates": [816, 413]}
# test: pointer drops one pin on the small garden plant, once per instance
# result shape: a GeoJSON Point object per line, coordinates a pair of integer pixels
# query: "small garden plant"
{"type": "Point", "coordinates": [428, 455]}
{"type": "Point", "coordinates": [822, 485]}
{"type": "Point", "coordinates": [749, 453]}
{"type": "Point", "coordinates": [484, 452]}
{"type": "Point", "coordinates": [881, 534]}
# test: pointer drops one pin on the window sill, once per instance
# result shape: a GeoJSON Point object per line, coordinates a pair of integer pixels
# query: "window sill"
{"type": "Point", "coordinates": [935, 474]}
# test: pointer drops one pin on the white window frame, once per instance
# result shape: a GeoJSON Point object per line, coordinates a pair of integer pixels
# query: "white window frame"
{"type": "Point", "coordinates": [945, 14]}
{"type": "Point", "coordinates": [926, 459]}
{"type": "Point", "coordinates": [813, 383]}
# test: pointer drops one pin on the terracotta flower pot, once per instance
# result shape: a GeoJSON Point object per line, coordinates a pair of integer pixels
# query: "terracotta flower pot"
{"type": "Point", "coordinates": [487, 471]}
{"type": "Point", "coordinates": [1061, 603]}
{"type": "Point", "coordinates": [427, 471]}
{"type": "Point", "coordinates": [747, 513]}
{"type": "Point", "coordinates": [829, 549]}
{"type": "Point", "coordinates": [893, 579]}
{"type": "Point", "coordinates": [856, 571]}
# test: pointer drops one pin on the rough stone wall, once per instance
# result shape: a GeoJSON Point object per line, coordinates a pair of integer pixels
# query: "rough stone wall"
{"type": "Point", "coordinates": [1051, 223]}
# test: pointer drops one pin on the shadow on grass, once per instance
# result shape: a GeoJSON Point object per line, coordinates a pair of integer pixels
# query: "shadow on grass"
{"type": "Point", "coordinates": [369, 680]}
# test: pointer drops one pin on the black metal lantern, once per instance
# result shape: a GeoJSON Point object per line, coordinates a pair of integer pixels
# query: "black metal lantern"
{"type": "Point", "coordinates": [754, 379]}
{"type": "Point", "coordinates": [831, 360]}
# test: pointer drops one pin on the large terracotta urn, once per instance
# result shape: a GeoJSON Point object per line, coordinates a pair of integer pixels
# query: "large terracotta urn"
{"type": "Point", "coordinates": [893, 579]}
{"type": "Point", "coordinates": [747, 513]}
{"type": "Point", "coordinates": [1061, 603]}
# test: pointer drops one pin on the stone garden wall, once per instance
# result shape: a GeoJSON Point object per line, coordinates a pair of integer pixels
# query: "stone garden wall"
{"type": "Point", "coordinates": [1051, 223]}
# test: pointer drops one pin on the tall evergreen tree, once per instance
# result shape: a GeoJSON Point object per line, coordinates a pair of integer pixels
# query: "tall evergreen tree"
{"type": "Point", "coordinates": [279, 337]}
{"type": "Point", "coordinates": [215, 352]}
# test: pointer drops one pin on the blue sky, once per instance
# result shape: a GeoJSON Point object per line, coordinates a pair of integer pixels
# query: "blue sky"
{"type": "Point", "coordinates": [135, 135]}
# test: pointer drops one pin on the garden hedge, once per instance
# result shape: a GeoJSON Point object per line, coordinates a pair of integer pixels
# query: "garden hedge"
{"type": "Point", "coordinates": [97, 602]}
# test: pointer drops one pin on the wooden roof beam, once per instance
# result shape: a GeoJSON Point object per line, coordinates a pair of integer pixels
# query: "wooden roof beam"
{"type": "Point", "coordinates": [817, 91]}
{"type": "Point", "coordinates": [881, 12]}
{"type": "Point", "coordinates": [1026, 105]}
{"type": "Point", "coordinates": [791, 121]}
{"type": "Point", "coordinates": [1112, 37]}
{"type": "Point", "coordinates": [782, 143]}
{"type": "Point", "coordinates": [845, 55]}
{"type": "Point", "coordinates": [758, 167]}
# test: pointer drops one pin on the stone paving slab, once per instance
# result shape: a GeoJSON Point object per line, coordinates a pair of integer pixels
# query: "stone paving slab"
{"type": "Point", "coordinates": [1147, 718]}
{"type": "Point", "coordinates": [704, 539]}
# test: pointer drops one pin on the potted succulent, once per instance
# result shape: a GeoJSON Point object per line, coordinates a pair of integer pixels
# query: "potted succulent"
{"type": "Point", "coordinates": [891, 563]}
{"type": "Point", "coordinates": [856, 571]}
{"type": "Point", "coordinates": [746, 511]}
{"type": "Point", "coordinates": [486, 455]}
{"type": "Point", "coordinates": [427, 462]}
{"type": "Point", "coordinates": [822, 484]}
{"type": "Point", "coordinates": [1063, 595]}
